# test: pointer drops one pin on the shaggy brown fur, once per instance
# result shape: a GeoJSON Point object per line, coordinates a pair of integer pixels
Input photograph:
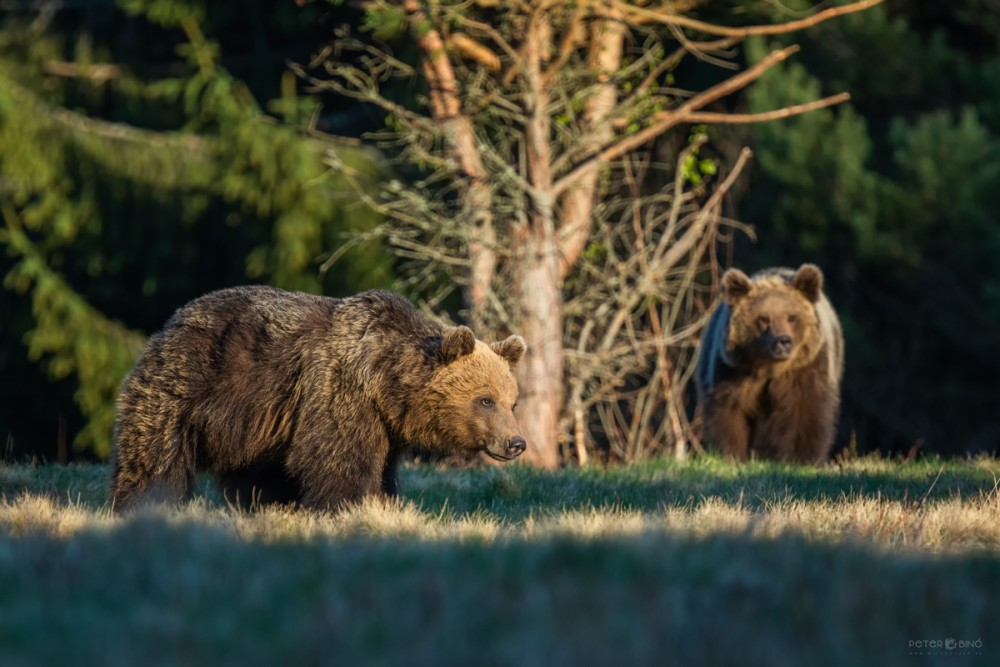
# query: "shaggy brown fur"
{"type": "Point", "coordinates": [288, 397]}
{"type": "Point", "coordinates": [769, 371]}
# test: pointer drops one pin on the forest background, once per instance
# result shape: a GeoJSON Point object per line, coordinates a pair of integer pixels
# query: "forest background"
{"type": "Point", "coordinates": [153, 150]}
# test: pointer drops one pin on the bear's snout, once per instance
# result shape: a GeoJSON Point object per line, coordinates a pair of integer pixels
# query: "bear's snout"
{"type": "Point", "coordinates": [516, 446]}
{"type": "Point", "coordinates": [506, 449]}
{"type": "Point", "coordinates": [781, 348]}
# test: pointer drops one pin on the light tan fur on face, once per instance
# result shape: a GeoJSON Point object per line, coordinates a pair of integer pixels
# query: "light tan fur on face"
{"type": "Point", "coordinates": [766, 310]}
{"type": "Point", "coordinates": [449, 416]}
{"type": "Point", "coordinates": [482, 373]}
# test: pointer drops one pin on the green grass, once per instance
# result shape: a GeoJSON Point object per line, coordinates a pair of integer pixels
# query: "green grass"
{"type": "Point", "coordinates": [699, 562]}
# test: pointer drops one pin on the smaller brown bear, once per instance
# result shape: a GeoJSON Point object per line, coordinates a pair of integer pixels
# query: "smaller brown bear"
{"type": "Point", "coordinates": [293, 398]}
{"type": "Point", "coordinates": [772, 357]}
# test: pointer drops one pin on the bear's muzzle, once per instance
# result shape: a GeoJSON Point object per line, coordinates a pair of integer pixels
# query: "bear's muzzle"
{"type": "Point", "coordinates": [508, 450]}
{"type": "Point", "coordinates": [781, 347]}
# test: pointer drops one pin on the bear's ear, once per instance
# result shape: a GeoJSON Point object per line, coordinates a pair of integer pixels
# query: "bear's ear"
{"type": "Point", "coordinates": [511, 348]}
{"type": "Point", "coordinates": [458, 342]}
{"type": "Point", "coordinates": [735, 286]}
{"type": "Point", "coordinates": [809, 280]}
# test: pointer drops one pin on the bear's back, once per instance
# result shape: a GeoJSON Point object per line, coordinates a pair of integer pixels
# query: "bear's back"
{"type": "Point", "coordinates": [267, 311]}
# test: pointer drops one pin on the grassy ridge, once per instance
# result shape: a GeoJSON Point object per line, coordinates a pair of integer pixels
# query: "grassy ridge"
{"type": "Point", "coordinates": [666, 563]}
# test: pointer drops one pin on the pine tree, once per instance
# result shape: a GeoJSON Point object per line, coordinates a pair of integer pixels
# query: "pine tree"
{"type": "Point", "coordinates": [125, 190]}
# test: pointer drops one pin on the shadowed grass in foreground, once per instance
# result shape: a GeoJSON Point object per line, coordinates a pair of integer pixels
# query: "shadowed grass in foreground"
{"type": "Point", "coordinates": [665, 563]}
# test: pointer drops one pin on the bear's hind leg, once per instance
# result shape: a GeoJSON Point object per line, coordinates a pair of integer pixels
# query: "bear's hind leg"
{"type": "Point", "coordinates": [144, 475]}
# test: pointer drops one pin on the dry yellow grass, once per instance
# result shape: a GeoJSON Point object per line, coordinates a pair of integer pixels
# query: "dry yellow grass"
{"type": "Point", "coordinates": [950, 524]}
{"type": "Point", "coordinates": [702, 562]}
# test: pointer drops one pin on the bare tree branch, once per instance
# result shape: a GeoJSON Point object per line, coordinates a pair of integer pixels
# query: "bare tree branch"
{"type": "Point", "coordinates": [668, 16]}
{"type": "Point", "coordinates": [473, 50]}
{"type": "Point", "coordinates": [711, 207]}
{"type": "Point", "coordinates": [765, 116]}
{"type": "Point", "coordinates": [665, 120]}
{"type": "Point", "coordinates": [490, 32]}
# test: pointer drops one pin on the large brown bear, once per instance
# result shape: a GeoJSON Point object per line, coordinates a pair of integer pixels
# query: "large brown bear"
{"type": "Point", "coordinates": [768, 375]}
{"type": "Point", "coordinates": [288, 397]}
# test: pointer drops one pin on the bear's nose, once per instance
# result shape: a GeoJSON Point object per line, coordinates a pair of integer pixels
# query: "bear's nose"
{"type": "Point", "coordinates": [782, 346]}
{"type": "Point", "coordinates": [516, 446]}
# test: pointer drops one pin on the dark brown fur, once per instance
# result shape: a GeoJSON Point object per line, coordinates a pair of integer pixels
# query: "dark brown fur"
{"type": "Point", "coordinates": [288, 397]}
{"type": "Point", "coordinates": [770, 365]}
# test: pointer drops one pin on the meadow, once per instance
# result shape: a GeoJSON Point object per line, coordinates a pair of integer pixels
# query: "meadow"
{"type": "Point", "coordinates": [869, 561]}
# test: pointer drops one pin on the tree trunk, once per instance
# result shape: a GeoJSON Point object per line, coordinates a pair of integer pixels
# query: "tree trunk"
{"type": "Point", "coordinates": [542, 259]}
{"type": "Point", "coordinates": [446, 107]}
{"type": "Point", "coordinates": [540, 373]}
{"type": "Point", "coordinates": [536, 270]}
{"type": "Point", "coordinates": [607, 40]}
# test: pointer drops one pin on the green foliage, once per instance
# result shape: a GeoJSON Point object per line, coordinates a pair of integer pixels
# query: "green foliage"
{"type": "Point", "coordinates": [171, 13]}
{"type": "Point", "coordinates": [75, 339]}
{"type": "Point", "coordinates": [124, 198]}
{"type": "Point", "coordinates": [385, 21]}
{"type": "Point", "coordinates": [693, 169]}
{"type": "Point", "coordinates": [949, 167]}
{"type": "Point", "coordinates": [826, 150]}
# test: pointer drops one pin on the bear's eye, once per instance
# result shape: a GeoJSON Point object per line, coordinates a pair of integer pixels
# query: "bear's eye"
{"type": "Point", "coordinates": [763, 321]}
{"type": "Point", "coordinates": [792, 319]}
{"type": "Point", "coordinates": [486, 402]}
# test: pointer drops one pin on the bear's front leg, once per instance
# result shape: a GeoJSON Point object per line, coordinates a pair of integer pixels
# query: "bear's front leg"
{"type": "Point", "coordinates": [800, 427]}
{"type": "Point", "coordinates": [340, 462]}
{"type": "Point", "coordinates": [815, 430]}
{"type": "Point", "coordinates": [333, 489]}
{"type": "Point", "coordinates": [726, 425]}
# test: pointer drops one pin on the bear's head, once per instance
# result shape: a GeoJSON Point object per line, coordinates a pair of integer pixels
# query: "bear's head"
{"type": "Point", "coordinates": [468, 403]}
{"type": "Point", "coordinates": [773, 317]}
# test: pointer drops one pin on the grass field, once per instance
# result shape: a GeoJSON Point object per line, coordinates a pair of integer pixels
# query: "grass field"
{"type": "Point", "coordinates": [872, 562]}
